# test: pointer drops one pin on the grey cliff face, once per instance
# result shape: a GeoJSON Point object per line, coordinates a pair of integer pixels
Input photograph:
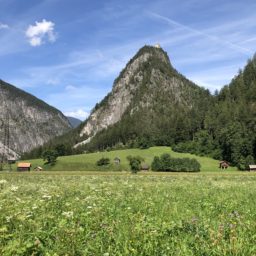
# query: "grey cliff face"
{"type": "Point", "coordinates": [121, 96]}
{"type": "Point", "coordinates": [31, 121]}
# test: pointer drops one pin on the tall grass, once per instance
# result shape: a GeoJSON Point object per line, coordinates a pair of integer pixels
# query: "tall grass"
{"type": "Point", "coordinates": [76, 213]}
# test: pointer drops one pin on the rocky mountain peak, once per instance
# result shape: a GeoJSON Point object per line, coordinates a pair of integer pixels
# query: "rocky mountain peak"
{"type": "Point", "coordinates": [147, 74]}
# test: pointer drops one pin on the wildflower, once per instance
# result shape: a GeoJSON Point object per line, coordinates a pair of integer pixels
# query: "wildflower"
{"type": "Point", "coordinates": [69, 214]}
{"type": "Point", "coordinates": [2, 182]}
{"type": "Point", "coordinates": [8, 218]}
{"type": "Point", "coordinates": [14, 188]}
{"type": "Point", "coordinates": [46, 197]}
{"type": "Point", "coordinates": [34, 207]}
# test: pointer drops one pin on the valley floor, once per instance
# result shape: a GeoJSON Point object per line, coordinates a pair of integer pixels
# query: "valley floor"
{"type": "Point", "coordinates": [106, 213]}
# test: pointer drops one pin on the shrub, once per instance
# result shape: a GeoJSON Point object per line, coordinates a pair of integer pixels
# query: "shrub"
{"type": "Point", "coordinates": [156, 164]}
{"type": "Point", "coordinates": [135, 163]}
{"type": "Point", "coordinates": [103, 161]}
{"type": "Point", "coordinates": [50, 156]}
{"type": "Point", "coordinates": [166, 163]}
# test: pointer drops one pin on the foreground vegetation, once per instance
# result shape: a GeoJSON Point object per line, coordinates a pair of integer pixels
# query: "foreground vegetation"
{"type": "Point", "coordinates": [79, 213]}
{"type": "Point", "coordinates": [87, 162]}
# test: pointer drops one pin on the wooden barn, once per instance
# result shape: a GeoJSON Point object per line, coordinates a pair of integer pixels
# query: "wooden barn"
{"type": "Point", "coordinates": [252, 167]}
{"type": "Point", "coordinates": [223, 165]}
{"type": "Point", "coordinates": [24, 166]}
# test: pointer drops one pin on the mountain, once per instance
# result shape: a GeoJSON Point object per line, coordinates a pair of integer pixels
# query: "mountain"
{"type": "Point", "coordinates": [150, 103]}
{"type": "Point", "coordinates": [229, 130]}
{"type": "Point", "coordinates": [30, 121]}
{"type": "Point", "coordinates": [75, 122]}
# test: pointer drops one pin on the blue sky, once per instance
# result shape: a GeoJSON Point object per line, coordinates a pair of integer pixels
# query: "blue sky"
{"type": "Point", "coordinates": [68, 52]}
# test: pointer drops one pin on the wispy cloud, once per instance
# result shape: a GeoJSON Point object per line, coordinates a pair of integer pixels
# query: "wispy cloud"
{"type": "Point", "coordinates": [197, 32]}
{"type": "Point", "coordinates": [78, 113]}
{"type": "Point", "coordinates": [3, 26]}
{"type": "Point", "coordinates": [40, 32]}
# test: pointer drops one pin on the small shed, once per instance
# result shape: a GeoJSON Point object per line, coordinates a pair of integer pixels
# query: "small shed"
{"type": "Point", "coordinates": [117, 160]}
{"type": "Point", "coordinates": [223, 164]}
{"type": "Point", "coordinates": [11, 160]}
{"type": "Point", "coordinates": [24, 166]}
{"type": "Point", "coordinates": [144, 167]}
{"type": "Point", "coordinates": [38, 168]}
{"type": "Point", "coordinates": [252, 167]}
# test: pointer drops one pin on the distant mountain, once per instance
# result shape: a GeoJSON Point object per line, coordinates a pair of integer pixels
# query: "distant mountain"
{"type": "Point", "coordinates": [150, 103]}
{"type": "Point", "coordinates": [74, 121]}
{"type": "Point", "coordinates": [31, 121]}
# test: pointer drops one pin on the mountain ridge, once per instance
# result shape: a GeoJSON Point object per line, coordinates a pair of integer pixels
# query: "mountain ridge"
{"type": "Point", "coordinates": [32, 122]}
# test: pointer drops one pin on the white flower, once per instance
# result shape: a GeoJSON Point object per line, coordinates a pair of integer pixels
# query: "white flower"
{"type": "Point", "coordinates": [46, 197]}
{"type": "Point", "coordinates": [68, 214]}
{"type": "Point", "coordinates": [14, 188]}
{"type": "Point", "coordinates": [2, 182]}
{"type": "Point", "coordinates": [34, 207]}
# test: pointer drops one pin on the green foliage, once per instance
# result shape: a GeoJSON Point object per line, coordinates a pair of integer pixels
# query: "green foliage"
{"type": "Point", "coordinates": [50, 156]}
{"type": "Point", "coordinates": [156, 164]}
{"type": "Point", "coordinates": [190, 119]}
{"type": "Point", "coordinates": [166, 163]}
{"type": "Point", "coordinates": [154, 214]}
{"type": "Point", "coordinates": [135, 163]}
{"type": "Point", "coordinates": [103, 161]}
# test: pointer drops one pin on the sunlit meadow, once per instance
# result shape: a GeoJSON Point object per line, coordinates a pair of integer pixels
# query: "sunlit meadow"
{"type": "Point", "coordinates": [123, 214]}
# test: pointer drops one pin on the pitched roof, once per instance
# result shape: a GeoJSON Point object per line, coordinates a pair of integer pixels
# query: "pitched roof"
{"type": "Point", "coordinates": [252, 166]}
{"type": "Point", "coordinates": [24, 165]}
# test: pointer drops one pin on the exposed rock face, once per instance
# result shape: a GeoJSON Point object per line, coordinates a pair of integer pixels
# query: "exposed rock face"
{"type": "Point", "coordinates": [147, 82]}
{"type": "Point", "coordinates": [111, 109]}
{"type": "Point", "coordinates": [32, 122]}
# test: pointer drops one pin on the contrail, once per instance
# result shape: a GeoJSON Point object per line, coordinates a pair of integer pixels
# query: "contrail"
{"type": "Point", "coordinates": [200, 33]}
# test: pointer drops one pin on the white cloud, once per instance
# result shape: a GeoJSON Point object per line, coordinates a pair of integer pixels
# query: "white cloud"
{"type": "Point", "coordinates": [40, 32]}
{"type": "Point", "coordinates": [79, 113]}
{"type": "Point", "coordinates": [3, 26]}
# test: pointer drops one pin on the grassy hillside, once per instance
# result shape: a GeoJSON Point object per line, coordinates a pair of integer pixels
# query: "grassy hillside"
{"type": "Point", "coordinates": [87, 162]}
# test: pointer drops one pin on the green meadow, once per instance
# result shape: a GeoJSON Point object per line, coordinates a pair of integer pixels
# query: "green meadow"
{"type": "Point", "coordinates": [87, 162]}
{"type": "Point", "coordinates": [107, 213]}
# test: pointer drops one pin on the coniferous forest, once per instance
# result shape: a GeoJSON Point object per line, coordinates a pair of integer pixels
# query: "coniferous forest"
{"type": "Point", "coordinates": [222, 126]}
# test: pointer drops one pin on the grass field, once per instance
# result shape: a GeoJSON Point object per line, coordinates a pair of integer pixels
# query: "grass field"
{"type": "Point", "coordinates": [87, 162]}
{"type": "Point", "coordinates": [83, 213]}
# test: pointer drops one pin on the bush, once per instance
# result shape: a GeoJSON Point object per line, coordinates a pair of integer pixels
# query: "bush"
{"type": "Point", "coordinates": [50, 156]}
{"type": "Point", "coordinates": [103, 161]}
{"type": "Point", "coordinates": [135, 163]}
{"type": "Point", "coordinates": [166, 163]}
{"type": "Point", "coordinates": [156, 164]}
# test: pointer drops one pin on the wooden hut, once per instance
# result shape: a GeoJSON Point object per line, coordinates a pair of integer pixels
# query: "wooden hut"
{"type": "Point", "coordinates": [38, 168]}
{"type": "Point", "coordinates": [223, 165]}
{"type": "Point", "coordinates": [145, 167]}
{"type": "Point", "coordinates": [24, 166]}
{"type": "Point", "coordinates": [117, 160]}
{"type": "Point", "coordinates": [252, 167]}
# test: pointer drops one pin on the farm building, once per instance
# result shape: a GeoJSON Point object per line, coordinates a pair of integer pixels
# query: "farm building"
{"type": "Point", "coordinates": [38, 168]}
{"type": "Point", "coordinates": [117, 160]}
{"type": "Point", "coordinates": [24, 166]}
{"type": "Point", "coordinates": [11, 160]}
{"type": "Point", "coordinates": [252, 167]}
{"type": "Point", "coordinates": [144, 167]}
{"type": "Point", "coordinates": [223, 165]}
